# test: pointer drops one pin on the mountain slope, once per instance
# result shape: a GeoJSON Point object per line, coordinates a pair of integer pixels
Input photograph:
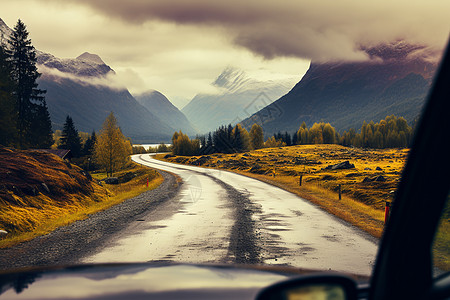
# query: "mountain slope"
{"type": "Point", "coordinates": [89, 105]}
{"type": "Point", "coordinates": [87, 89]}
{"type": "Point", "coordinates": [83, 89]}
{"type": "Point", "coordinates": [239, 96]}
{"type": "Point", "coordinates": [159, 105]}
{"type": "Point", "coordinates": [394, 81]}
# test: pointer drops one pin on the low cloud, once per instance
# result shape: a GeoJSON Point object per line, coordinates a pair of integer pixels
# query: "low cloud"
{"type": "Point", "coordinates": [111, 80]}
{"type": "Point", "coordinates": [319, 30]}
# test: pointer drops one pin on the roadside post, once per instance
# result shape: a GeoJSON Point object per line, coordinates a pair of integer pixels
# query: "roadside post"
{"type": "Point", "coordinates": [300, 180]}
{"type": "Point", "coordinates": [387, 211]}
{"type": "Point", "coordinates": [147, 181]}
{"type": "Point", "coordinates": [340, 192]}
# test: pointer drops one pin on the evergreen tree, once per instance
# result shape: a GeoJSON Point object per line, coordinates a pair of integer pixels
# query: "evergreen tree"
{"type": "Point", "coordinates": [287, 139]}
{"type": "Point", "coordinates": [238, 143]}
{"type": "Point", "coordinates": [294, 138]}
{"type": "Point", "coordinates": [241, 139]}
{"type": "Point", "coordinates": [88, 148]}
{"type": "Point", "coordinates": [8, 127]}
{"type": "Point", "coordinates": [41, 134]}
{"type": "Point", "coordinates": [202, 140]}
{"type": "Point", "coordinates": [70, 139]}
{"type": "Point", "coordinates": [22, 57]}
{"type": "Point", "coordinates": [209, 141]}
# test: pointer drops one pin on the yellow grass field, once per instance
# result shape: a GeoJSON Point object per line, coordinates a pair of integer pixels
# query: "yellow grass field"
{"type": "Point", "coordinates": [28, 210]}
{"type": "Point", "coordinates": [365, 188]}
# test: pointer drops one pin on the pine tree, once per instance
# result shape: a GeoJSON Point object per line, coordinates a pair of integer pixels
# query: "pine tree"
{"type": "Point", "coordinates": [209, 141]}
{"type": "Point", "coordinates": [8, 127]}
{"type": "Point", "coordinates": [88, 147]}
{"type": "Point", "coordinates": [40, 134]}
{"type": "Point", "coordinates": [294, 138]}
{"type": "Point", "coordinates": [22, 57]}
{"type": "Point", "coordinates": [70, 139]}
{"type": "Point", "coordinates": [287, 139]}
{"type": "Point", "coordinates": [241, 139]}
{"type": "Point", "coordinates": [112, 148]}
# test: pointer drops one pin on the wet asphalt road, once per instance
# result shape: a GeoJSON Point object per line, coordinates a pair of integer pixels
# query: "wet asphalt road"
{"type": "Point", "coordinates": [211, 216]}
{"type": "Point", "coordinates": [222, 217]}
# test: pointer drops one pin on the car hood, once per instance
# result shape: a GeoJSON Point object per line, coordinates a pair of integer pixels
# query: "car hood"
{"type": "Point", "coordinates": [141, 281]}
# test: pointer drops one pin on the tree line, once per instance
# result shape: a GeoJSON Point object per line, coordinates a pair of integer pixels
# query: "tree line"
{"type": "Point", "coordinates": [110, 150]}
{"type": "Point", "coordinates": [225, 139]}
{"type": "Point", "coordinates": [24, 117]}
{"type": "Point", "coordinates": [392, 132]}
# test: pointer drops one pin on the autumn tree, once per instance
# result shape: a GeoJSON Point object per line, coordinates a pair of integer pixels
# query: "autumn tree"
{"type": "Point", "coordinates": [272, 143]}
{"type": "Point", "coordinates": [241, 138]}
{"type": "Point", "coordinates": [112, 149]}
{"type": "Point", "coordinates": [256, 137]}
{"type": "Point", "coordinates": [183, 145]}
{"type": "Point", "coordinates": [302, 134]}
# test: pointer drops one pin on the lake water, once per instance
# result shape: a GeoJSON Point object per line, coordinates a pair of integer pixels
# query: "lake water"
{"type": "Point", "coordinates": [146, 146]}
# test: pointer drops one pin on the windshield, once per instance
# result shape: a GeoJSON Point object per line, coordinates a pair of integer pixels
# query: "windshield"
{"type": "Point", "coordinates": [238, 133]}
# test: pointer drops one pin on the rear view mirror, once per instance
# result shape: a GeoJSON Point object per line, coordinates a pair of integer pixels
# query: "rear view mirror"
{"type": "Point", "coordinates": [317, 287]}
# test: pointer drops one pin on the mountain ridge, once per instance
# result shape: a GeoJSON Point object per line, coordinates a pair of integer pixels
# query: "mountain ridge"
{"type": "Point", "coordinates": [238, 96]}
{"type": "Point", "coordinates": [87, 89]}
{"type": "Point", "coordinates": [156, 102]}
{"type": "Point", "coordinates": [394, 81]}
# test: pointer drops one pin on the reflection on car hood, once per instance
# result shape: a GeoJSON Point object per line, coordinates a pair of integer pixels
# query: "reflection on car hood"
{"type": "Point", "coordinates": [140, 281]}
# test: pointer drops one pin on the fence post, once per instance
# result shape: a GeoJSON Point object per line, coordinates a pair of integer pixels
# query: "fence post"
{"type": "Point", "coordinates": [340, 192]}
{"type": "Point", "coordinates": [387, 211]}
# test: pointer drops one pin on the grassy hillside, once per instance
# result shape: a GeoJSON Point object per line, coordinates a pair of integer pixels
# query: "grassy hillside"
{"type": "Point", "coordinates": [39, 192]}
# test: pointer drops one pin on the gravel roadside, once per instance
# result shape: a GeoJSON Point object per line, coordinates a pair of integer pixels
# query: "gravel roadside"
{"type": "Point", "coordinates": [69, 244]}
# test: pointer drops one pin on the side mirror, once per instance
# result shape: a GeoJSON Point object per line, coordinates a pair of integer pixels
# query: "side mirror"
{"type": "Point", "coordinates": [320, 287]}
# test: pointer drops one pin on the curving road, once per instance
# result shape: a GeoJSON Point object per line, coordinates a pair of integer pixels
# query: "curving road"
{"type": "Point", "coordinates": [220, 216]}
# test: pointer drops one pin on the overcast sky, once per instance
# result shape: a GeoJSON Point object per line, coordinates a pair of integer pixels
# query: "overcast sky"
{"type": "Point", "coordinates": [179, 46]}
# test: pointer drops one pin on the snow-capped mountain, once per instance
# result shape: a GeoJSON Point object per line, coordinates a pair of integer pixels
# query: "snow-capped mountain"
{"type": "Point", "coordinates": [86, 89]}
{"type": "Point", "coordinates": [86, 65]}
{"type": "Point", "coordinates": [5, 31]}
{"type": "Point", "coordinates": [239, 96]}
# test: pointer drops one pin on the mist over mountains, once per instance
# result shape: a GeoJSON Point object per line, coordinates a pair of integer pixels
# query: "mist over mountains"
{"type": "Point", "coordinates": [394, 81]}
{"type": "Point", "coordinates": [239, 96]}
{"type": "Point", "coordinates": [87, 89]}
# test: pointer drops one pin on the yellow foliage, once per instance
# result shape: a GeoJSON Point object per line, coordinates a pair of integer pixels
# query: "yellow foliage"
{"type": "Point", "coordinates": [112, 149]}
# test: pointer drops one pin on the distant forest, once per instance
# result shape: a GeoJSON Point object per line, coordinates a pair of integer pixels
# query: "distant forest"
{"type": "Point", "coordinates": [392, 132]}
